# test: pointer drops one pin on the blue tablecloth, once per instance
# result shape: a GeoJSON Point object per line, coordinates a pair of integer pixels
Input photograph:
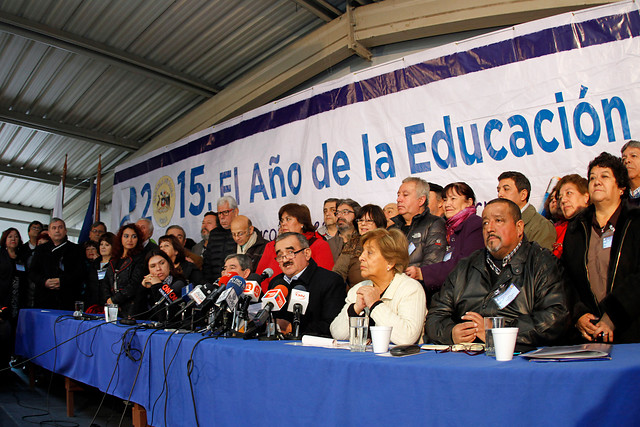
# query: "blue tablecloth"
{"type": "Point", "coordinates": [238, 382]}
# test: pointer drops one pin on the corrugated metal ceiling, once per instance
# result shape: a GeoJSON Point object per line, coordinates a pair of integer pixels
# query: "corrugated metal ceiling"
{"type": "Point", "coordinates": [101, 78]}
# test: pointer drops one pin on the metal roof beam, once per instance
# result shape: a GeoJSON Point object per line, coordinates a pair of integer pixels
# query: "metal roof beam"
{"type": "Point", "coordinates": [23, 208]}
{"type": "Point", "coordinates": [60, 39]}
{"type": "Point", "coordinates": [42, 177]}
{"type": "Point", "coordinates": [38, 123]}
{"type": "Point", "coordinates": [324, 13]}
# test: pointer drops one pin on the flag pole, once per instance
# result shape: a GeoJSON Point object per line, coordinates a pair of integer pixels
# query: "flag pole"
{"type": "Point", "coordinates": [64, 177]}
{"type": "Point", "coordinates": [98, 179]}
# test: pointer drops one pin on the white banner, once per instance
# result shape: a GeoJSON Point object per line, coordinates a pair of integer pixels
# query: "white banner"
{"type": "Point", "coordinates": [542, 98]}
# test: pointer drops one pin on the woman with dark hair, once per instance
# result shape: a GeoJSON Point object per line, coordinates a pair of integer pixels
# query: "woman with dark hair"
{"type": "Point", "coordinates": [172, 247]}
{"type": "Point", "coordinates": [369, 217]}
{"type": "Point", "coordinates": [600, 257]}
{"type": "Point", "coordinates": [14, 286]}
{"type": "Point", "coordinates": [297, 219]}
{"type": "Point", "coordinates": [162, 273]}
{"type": "Point", "coordinates": [464, 236]}
{"type": "Point", "coordinates": [96, 272]}
{"type": "Point", "coordinates": [123, 279]}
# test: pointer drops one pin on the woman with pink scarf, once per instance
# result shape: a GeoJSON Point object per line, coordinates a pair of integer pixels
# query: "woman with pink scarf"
{"type": "Point", "coordinates": [464, 236]}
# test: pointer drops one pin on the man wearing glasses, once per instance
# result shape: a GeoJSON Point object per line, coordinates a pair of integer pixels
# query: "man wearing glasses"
{"type": "Point", "coordinates": [249, 240]}
{"type": "Point", "coordinates": [220, 243]}
{"type": "Point", "coordinates": [346, 214]}
{"type": "Point", "coordinates": [327, 290]}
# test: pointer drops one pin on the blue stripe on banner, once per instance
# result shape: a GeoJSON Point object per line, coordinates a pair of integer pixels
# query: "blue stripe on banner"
{"type": "Point", "coordinates": [545, 42]}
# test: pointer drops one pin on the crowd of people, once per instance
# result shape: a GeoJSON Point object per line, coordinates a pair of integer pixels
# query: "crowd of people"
{"type": "Point", "coordinates": [428, 265]}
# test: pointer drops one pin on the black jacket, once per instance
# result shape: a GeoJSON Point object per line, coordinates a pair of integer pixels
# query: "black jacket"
{"type": "Point", "coordinates": [123, 284]}
{"type": "Point", "coordinates": [622, 302]}
{"type": "Point", "coordinates": [327, 293]}
{"type": "Point", "coordinates": [255, 252]}
{"type": "Point", "coordinates": [219, 246]}
{"type": "Point", "coordinates": [539, 310]}
{"type": "Point", "coordinates": [191, 274]}
{"type": "Point", "coordinates": [10, 297]}
{"type": "Point", "coordinates": [66, 262]}
{"type": "Point", "coordinates": [428, 234]}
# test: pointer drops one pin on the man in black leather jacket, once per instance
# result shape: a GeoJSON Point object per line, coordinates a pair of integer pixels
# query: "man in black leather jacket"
{"type": "Point", "coordinates": [511, 277]}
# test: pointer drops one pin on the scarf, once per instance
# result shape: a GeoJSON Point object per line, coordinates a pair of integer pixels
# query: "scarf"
{"type": "Point", "coordinates": [454, 222]}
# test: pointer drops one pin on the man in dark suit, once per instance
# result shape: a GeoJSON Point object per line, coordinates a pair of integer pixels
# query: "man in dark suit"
{"type": "Point", "coordinates": [57, 269]}
{"type": "Point", "coordinates": [327, 290]}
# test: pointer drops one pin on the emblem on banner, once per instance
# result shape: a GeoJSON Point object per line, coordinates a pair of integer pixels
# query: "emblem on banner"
{"type": "Point", "coordinates": [164, 201]}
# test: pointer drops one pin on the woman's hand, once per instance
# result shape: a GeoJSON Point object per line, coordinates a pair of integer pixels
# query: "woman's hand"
{"type": "Point", "coordinates": [150, 280]}
{"type": "Point", "coordinates": [414, 273]}
{"type": "Point", "coordinates": [586, 328]}
{"type": "Point", "coordinates": [369, 294]}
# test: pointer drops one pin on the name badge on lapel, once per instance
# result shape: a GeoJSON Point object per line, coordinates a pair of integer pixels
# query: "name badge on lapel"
{"type": "Point", "coordinates": [505, 298]}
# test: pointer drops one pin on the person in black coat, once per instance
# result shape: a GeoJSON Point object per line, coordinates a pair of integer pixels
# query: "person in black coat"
{"type": "Point", "coordinates": [97, 271]}
{"type": "Point", "coordinates": [327, 290]}
{"type": "Point", "coordinates": [601, 258]}
{"type": "Point", "coordinates": [122, 284]}
{"type": "Point", "coordinates": [57, 269]}
{"type": "Point", "coordinates": [13, 290]}
{"type": "Point", "coordinates": [220, 243]}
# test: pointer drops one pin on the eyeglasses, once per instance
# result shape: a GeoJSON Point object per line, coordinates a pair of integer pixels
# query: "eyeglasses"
{"type": "Point", "coordinates": [344, 212]}
{"type": "Point", "coordinates": [288, 255]}
{"type": "Point", "coordinates": [472, 349]}
{"type": "Point", "coordinates": [238, 234]}
{"type": "Point", "coordinates": [364, 221]}
{"type": "Point", "coordinates": [225, 213]}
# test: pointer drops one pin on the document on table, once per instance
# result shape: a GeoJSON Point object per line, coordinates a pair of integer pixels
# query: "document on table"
{"type": "Point", "coordinates": [592, 351]}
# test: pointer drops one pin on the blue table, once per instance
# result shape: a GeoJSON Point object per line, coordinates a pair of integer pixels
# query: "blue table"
{"type": "Point", "coordinates": [238, 382]}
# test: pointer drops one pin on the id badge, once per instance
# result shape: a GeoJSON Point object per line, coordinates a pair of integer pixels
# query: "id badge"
{"type": "Point", "coordinates": [20, 267]}
{"type": "Point", "coordinates": [505, 298]}
{"type": "Point", "coordinates": [412, 248]}
{"type": "Point", "coordinates": [101, 274]}
{"type": "Point", "coordinates": [607, 238]}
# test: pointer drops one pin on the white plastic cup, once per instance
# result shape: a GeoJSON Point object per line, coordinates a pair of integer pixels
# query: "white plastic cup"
{"type": "Point", "coordinates": [380, 338]}
{"type": "Point", "coordinates": [504, 340]}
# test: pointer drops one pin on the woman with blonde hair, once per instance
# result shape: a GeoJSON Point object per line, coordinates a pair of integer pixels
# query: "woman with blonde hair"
{"type": "Point", "coordinates": [391, 297]}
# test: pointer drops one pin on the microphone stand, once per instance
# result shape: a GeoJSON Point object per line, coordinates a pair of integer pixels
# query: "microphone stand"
{"type": "Point", "coordinates": [297, 314]}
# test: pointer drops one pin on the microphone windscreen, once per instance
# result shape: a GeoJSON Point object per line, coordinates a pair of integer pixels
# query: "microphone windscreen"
{"type": "Point", "coordinates": [283, 289]}
{"type": "Point", "coordinates": [237, 283]}
{"type": "Point", "coordinates": [224, 279]}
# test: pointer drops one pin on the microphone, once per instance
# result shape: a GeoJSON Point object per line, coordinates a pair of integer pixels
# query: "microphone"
{"type": "Point", "coordinates": [168, 294]}
{"type": "Point", "coordinates": [252, 291]}
{"type": "Point", "coordinates": [229, 298]}
{"type": "Point", "coordinates": [201, 295]}
{"type": "Point", "coordinates": [266, 273]}
{"type": "Point", "coordinates": [273, 300]}
{"type": "Point", "coordinates": [298, 306]}
{"type": "Point", "coordinates": [250, 294]}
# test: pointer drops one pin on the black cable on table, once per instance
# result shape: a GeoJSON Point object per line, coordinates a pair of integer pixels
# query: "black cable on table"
{"type": "Point", "coordinates": [189, 371]}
